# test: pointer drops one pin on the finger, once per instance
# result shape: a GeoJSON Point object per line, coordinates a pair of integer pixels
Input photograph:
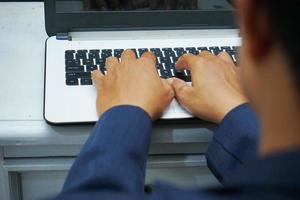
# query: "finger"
{"type": "Point", "coordinates": [149, 55]}
{"type": "Point", "coordinates": [187, 61]}
{"type": "Point", "coordinates": [182, 91]}
{"type": "Point", "coordinates": [206, 54]}
{"type": "Point", "coordinates": [128, 55]}
{"type": "Point", "coordinates": [167, 84]}
{"type": "Point", "coordinates": [111, 62]}
{"type": "Point", "coordinates": [225, 56]}
{"type": "Point", "coordinates": [97, 78]}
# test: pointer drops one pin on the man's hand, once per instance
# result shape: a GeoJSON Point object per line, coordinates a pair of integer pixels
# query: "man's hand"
{"type": "Point", "coordinates": [132, 82]}
{"type": "Point", "coordinates": [215, 86]}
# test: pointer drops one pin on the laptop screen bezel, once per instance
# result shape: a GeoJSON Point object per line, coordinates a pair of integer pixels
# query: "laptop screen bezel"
{"type": "Point", "coordinates": [134, 20]}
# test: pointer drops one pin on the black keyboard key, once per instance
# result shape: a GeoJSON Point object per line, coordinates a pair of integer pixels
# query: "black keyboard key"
{"type": "Point", "coordinates": [227, 48]}
{"type": "Point", "coordinates": [166, 73]}
{"type": "Point", "coordinates": [192, 50]}
{"type": "Point", "coordinates": [86, 81]}
{"type": "Point", "coordinates": [181, 75]}
{"type": "Point", "coordinates": [70, 51]}
{"type": "Point", "coordinates": [76, 75]}
{"type": "Point", "coordinates": [235, 51]}
{"type": "Point", "coordinates": [157, 52]}
{"type": "Point", "coordinates": [84, 74]}
{"type": "Point", "coordinates": [159, 66]}
{"type": "Point", "coordinates": [170, 66]}
{"type": "Point", "coordinates": [100, 61]}
{"type": "Point", "coordinates": [118, 52]}
{"type": "Point", "coordinates": [94, 51]}
{"type": "Point", "coordinates": [88, 62]}
{"type": "Point", "coordinates": [165, 60]}
{"type": "Point", "coordinates": [102, 67]}
{"type": "Point", "coordinates": [90, 68]}
{"type": "Point", "coordinates": [79, 56]}
{"type": "Point", "coordinates": [187, 79]}
{"type": "Point", "coordinates": [72, 81]}
{"type": "Point", "coordinates": [71, 75]}
{"type": "Point", "coordinates": [105, 53]}
{"type": "Point", "coordinates": [92, 56]}
{"type": "Point", "coordinates": [69, 55]}
{"type": "Point", "coordinates": [232, 53]}
{"type": "Point", "coordinates": [71, 63]}
{"type": "Point", "coordinates": [74, 68]}
{"type": "Point", "coordinates": [215, 50]}
{"type": "Point", "coordinates": [169, 52]}
{"type": "Point", "coordinates": [179, 51]}
{"type": "Point", "coordinates": [203, 49]}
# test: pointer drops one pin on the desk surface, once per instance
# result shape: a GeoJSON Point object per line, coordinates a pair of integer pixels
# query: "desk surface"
{"type": "Point", "coordinates": [22, 49]}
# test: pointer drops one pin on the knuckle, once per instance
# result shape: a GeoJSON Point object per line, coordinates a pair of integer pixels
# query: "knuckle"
{"type": "Point", "coordinates": [182, 89]}
{"type": "Point", "coordinates": [147, 60]}
{"type": "Point", "coordinates": [202, 61]}
{"type": "Point", "coordinates": [110, 59]}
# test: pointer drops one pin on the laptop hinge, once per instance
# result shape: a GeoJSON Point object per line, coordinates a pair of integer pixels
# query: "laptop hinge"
{"type": "Point", "coordinates": [63, 36]}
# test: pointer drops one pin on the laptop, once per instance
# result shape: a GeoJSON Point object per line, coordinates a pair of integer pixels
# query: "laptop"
{"type": "Point", "coordinates": [83, 33]}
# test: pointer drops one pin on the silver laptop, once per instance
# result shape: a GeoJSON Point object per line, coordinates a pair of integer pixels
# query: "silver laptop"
{"type": "Point", "coordinates": [83, 33]}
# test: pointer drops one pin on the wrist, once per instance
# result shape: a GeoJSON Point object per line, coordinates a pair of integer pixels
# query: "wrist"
{"type": "Point", "coordinates": [121, 107]}
{"type": "Point", "coordinates": [228, 108]}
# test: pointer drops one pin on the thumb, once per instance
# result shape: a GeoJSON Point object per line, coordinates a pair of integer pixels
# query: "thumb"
{"type": "Point", "coordinates": [183, 91]}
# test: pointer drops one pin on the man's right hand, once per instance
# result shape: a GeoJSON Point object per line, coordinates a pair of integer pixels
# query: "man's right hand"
{"type": "Point", "coordinates": [215, 89]}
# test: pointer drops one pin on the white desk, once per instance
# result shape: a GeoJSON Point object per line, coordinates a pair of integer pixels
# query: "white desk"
{"type": "Point", "coordinates": [31, 150]}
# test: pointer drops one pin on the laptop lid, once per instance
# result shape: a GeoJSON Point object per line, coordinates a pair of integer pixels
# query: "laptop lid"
{"type": "Point", "coordinates": [63, 16]}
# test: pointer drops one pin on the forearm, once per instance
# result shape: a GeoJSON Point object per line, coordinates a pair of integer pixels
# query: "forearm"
{"type": "Point", "coordinates": [235, 142]}
{"type": "Point", "coordinates": [114, 157]}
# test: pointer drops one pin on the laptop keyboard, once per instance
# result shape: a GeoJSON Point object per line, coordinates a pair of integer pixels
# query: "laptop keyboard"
{"type": "Point", "coordinates": [80, 63]}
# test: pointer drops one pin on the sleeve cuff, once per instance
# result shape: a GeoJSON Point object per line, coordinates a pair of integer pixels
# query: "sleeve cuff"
{"type": "Point", "coordinates": [235, 142]}
{"type": "Point", "coordinates": [128, 110]}
{"type": "Point", "coordinates": [115, 154]}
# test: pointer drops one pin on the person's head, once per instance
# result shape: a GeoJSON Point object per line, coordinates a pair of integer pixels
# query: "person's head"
{"type": "Point", "coordinates": [269, 56]}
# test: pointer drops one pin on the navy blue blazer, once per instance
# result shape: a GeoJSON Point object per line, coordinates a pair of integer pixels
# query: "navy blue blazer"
{"type": "Point", "coordinates": [111, 165]}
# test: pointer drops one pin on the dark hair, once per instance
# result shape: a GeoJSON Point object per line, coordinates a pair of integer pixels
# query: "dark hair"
{"type": "Point", "coordinates": [283, 17]}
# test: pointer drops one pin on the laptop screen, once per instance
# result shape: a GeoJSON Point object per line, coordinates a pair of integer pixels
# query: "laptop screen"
{"type": "Point", "coordinates": [75, 6]}
{"type": "Point", "coordinates": [88, 15]}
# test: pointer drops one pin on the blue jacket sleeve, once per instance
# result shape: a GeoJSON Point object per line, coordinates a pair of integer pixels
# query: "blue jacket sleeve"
{"type": "Point", "coordinates": [113, 160]}
{"type": "Point", "coordinates": [234, 144]}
